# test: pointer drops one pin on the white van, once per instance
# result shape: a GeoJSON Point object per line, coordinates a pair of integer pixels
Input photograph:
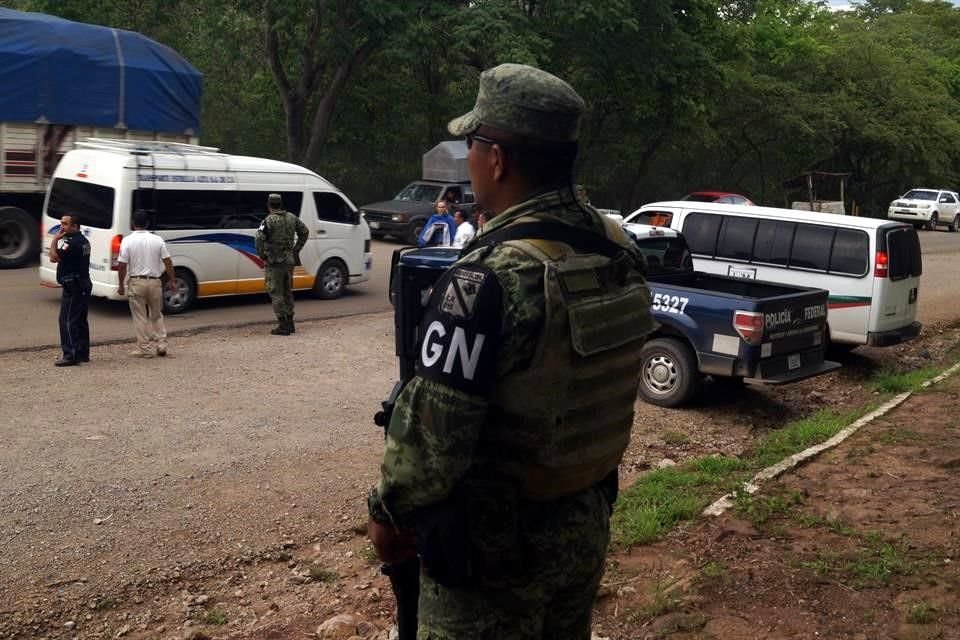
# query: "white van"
{"type": "Point", "coordinates": [870, 267]}
{"type": "Point", "coordinates": [207, 206]}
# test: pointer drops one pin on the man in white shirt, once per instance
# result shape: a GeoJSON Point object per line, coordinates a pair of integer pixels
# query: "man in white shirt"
{"type": "Point", "coordinates": [465, 230]}
{"type": "Point", "coordinates": [143, 259]}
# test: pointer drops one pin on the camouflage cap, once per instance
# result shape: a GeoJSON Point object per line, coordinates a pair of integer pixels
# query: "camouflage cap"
{"type": "Point", "coordinates": [274, 201]}
{"type": "Point", "coordinates": [526, 101]}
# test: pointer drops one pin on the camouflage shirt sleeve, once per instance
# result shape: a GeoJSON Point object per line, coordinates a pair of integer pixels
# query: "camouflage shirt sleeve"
{"type": "Point", "coordinates": [302, 233]}
{"type": "Point", "coordinates": [439, 415]}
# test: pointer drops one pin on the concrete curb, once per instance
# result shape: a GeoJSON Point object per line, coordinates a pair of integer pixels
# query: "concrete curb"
{"type": "Point", "coordinates": [753, 485]}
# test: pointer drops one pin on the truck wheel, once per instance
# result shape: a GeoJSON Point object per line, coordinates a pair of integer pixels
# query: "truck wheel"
{"type": "Point", "coordinates": [19, 237]}
{"type": "Point", "coordinates": [413, 231]}
{"type": "Point", "coordinates": [932, 224]}
{"type": "Point", "coordinates": [331, 280]}
{"type": "Point", "coordinates": [669, 374]}
{"type": "Point", "coordinates": [185, 295]}
{"type": "Point", "coordinates": [955, 225]}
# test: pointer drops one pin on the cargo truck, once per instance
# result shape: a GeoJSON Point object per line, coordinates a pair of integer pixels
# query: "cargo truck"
{"type": "Point", "coordinates": [73, 81]}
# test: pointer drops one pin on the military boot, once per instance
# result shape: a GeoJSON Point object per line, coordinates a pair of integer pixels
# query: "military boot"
{"type": "Point", "coordinates": [281, 328]}
{"type": "Point", "coordinates": [290, 327]}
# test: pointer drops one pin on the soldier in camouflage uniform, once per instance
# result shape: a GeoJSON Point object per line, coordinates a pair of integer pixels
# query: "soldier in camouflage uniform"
{"type": "Point", "coordinates": [276, 245]}
{"type": "Point", "coordinates": [500, 468]}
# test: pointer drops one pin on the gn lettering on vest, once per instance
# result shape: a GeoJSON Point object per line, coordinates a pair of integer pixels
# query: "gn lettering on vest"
{"type": "Point", "coordinates": [457, 349]}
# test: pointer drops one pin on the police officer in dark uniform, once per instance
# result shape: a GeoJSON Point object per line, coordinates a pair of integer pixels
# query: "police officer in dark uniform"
{"type": "Point", "coordinates": [71, 253]}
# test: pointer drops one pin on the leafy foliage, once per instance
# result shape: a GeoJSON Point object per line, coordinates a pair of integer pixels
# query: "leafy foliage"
{"type": "Point", "coordinates": [683, 95]}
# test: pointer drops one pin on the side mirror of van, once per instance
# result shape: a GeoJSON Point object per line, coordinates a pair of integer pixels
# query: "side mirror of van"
{"type": "Point", "coordinates": [355, 217]}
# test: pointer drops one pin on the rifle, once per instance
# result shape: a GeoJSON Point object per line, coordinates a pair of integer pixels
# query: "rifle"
{"type": "Point", "coordinates": [413, 273]}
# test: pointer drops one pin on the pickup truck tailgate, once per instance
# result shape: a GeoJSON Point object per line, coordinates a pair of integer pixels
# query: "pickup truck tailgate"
{"type": "Point", "coordinates": [792, 344]}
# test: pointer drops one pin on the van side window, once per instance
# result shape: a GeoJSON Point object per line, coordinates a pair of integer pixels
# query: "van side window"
{"type": "Point", "coordinates": [811, 247]}
{"type": "Point", "coordinates": [183, 209]}
{"type": "Point", "coordinates": [253, 204]}
{"type": "Point", "coordinates": [701, 231]}
{"type": "Point", "coordinates": [774, 238]}
{"type": "Point", "coordinates": [173, 209]}
{"type": "Point", "coordinates": [736, 238]}
{"type": "Point", "coordinates": [332, 208]}
{"type": "Point", "coordinates": [850, 252]}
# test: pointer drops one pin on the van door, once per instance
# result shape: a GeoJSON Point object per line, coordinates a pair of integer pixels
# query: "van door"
{"type": "Point", "coordinates": [338, 232]}
{"type": "Point", "coordinates": [896, 288]}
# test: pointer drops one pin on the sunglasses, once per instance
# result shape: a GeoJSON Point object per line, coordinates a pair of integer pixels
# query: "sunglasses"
{"type": "Point", "coordinates": [470, 137]}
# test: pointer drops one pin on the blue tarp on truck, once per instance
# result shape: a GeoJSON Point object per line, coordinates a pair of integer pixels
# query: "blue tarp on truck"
{"type": "Point", "coordinates": [62, 72]}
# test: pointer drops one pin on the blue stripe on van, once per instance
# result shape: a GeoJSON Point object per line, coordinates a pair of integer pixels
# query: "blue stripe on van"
{"type": "Point", "coordinates": [237, 241]}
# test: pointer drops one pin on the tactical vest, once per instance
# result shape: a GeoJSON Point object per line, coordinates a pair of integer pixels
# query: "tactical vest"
{"type": "Point", "coordinates": [275, 238]}
{"type": "Point", "coordinates": [562, 424]}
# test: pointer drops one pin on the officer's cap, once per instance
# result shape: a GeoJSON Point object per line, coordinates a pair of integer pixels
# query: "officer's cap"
{"type": "Point", "coordinates": [525, 101]}
{"type": "Point", "coordinates": [274, 201]}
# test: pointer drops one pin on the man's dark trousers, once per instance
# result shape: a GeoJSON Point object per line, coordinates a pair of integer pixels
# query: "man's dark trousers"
{"type": "Point", "coordinates": [74, 330]}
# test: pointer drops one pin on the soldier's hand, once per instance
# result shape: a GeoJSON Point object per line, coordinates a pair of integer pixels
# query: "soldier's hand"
{"type": "Point", "coordinates": [392, 545]}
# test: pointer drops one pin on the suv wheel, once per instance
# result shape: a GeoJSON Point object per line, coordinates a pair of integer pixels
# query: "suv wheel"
{"type": "Point", "coordinates": [955, 225]}
{"type": "Point", "coordinates": [932, 225]}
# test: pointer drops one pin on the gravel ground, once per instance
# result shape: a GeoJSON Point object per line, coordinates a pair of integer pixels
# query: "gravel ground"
{"type": "Point", "coordinates": [220, 491]}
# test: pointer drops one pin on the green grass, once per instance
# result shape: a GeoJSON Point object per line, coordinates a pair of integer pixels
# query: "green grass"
{"type": "Point", "coordinates": [663, 600]}
{"type": "Point", "coordinates": [662, 499]}
{"type": "Point", "coordinates": [875, 563]}
{"type": "Point", "coordinates": [760, 508]}
{"type": "Point", "coordinates": [675, 438]}
{"type": "Point", "coordinates": [106, 602]}
{"type": "Point", "coordinates": [799, 435]}
{"type": "Point", "coordinates": [921, 613]}
{"type": "Point", "coordinates": [887, 381]}
{"type": "Point", "coordinates": [216, 617]}
{"type": "Point", "coordinates": [879, 562]}
{"type": "Point", "coordinates": [897, 435]}
{"type": "Point", "coordinates": [319, 573]}
{"type": "Point", "coordinates": [715, 571]}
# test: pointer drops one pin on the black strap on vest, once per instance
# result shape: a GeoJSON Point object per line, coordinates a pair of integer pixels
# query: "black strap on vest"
{"type": "Point", "coordinates": [582, 240]}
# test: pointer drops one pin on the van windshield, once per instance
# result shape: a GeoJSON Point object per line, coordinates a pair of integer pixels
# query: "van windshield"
{"type": "Point", "coordinates": [419, 192]}
{"type": "Point", "coordinates": [93, 203]}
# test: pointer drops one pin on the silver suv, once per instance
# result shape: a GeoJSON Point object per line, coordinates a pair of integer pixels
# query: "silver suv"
{"type": "Point", "coordinates": [927, 208]}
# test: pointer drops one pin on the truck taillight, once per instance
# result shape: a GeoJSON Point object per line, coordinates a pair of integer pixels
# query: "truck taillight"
{"type": "Point", "coordinates": [749, 324]}
{"type": "Point", "coordinates": [115, 252]}
{"type": "Point", "coordinates": [883, 265]}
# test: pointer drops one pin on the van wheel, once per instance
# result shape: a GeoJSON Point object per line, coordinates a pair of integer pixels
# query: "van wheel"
{"type": "Point", "coordinates": [932, 225]}
{"type": "Point", "coordinates": [955, 225]}
{"type": "Point", "coordinates": [331, 280]}
{"type": "Point", "coordinates": [669, 374]}
{"type": "Point", "coordinates": [185, 295]}
{"type": "Point", "coordinates": [19, 240]}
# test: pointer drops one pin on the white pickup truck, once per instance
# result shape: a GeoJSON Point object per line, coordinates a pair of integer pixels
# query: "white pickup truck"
{"type": "Point", "coordinates": [927, 208]}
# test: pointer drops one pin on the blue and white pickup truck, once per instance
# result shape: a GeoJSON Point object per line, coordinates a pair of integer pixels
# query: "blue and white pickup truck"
{"type": "Point", "coordinates": [728, 328]}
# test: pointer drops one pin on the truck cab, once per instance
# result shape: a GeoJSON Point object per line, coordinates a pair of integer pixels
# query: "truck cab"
{"type": "Point", "coordinates": [444, 171]}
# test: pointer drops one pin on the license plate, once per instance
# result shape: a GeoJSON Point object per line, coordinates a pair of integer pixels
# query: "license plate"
{"type": "Point", "coordinates": [374, 224]}
{"type": "Point", "coordinates": [793, 361]}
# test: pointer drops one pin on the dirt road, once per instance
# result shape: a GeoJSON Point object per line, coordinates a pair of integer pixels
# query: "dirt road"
{"type": "Point", "coordinates": [218, 492]}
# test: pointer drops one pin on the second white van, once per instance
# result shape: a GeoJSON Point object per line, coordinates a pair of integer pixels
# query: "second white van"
{"type": "Point", "coordinates": [207, 207]}
{"type": "Point", "coordinates": [870, 267]}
